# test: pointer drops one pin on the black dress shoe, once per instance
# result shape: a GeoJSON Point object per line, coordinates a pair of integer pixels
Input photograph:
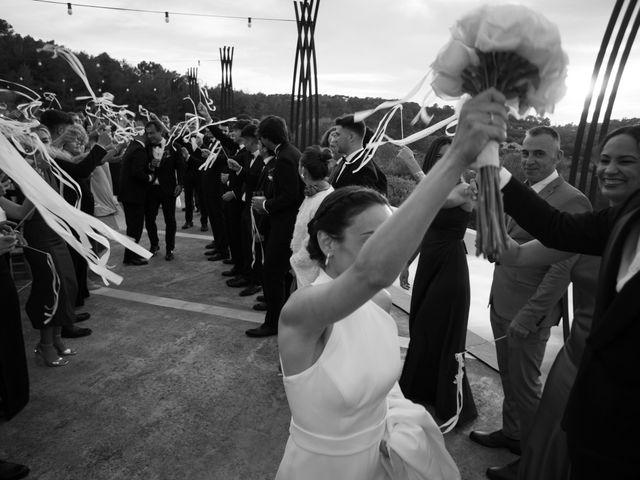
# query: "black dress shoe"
{"type": "Point", "coordinates": [210, 245]}
{"type": "Point", "coordinates": [238, 282]}
{"type": "Point", "coordinates": [496, 439]}
{"type": "Point", "coordinates": [154, 249]}
{"type": "Point", "coordinates": [187, 225]}
{"type": "Point", "coordinates": [250, 290]}
{"type": "Point", "coordinates": [260, 298]}
{"type": "Point", "coordinates": [506, 472]}
{"type": "Point", "coordinates": [234, 272]}
{"type": "Point", "coordinates": [12, 471]}
{"type": "Point", "coordinates": [218, 256]}
{"type": "Point", "coordinates": [81, 317]}
{"type": "Point", "coordinates": [71, 331]}
{"type": "Point", "coordinates": [260, 307]}
{"type": "Point", "coordinates": [204, 228]}
{"type": "Point", "coordinates": [169, 256]}
{"type": "Point", "coordinates": [213, 251]}
{"type": "Point", "coordinates": [228, 261]}
{"type": "Point", "coordinates": [261, 331]}
{"type": "Point", "coordinates": [136, 261]}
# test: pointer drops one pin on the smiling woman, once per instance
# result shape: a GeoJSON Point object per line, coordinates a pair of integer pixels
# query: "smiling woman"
{"type": "Point", "coordinates": [618, 168]}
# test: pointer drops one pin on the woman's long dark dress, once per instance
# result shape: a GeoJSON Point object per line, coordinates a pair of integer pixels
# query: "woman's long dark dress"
{"type": "Point", "coordinates": [41, 297]}
{"type": "Point", "coordinates": [438, 318]}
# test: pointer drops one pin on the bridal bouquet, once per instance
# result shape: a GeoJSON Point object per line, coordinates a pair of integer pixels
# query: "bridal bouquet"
{"type": "Point", "coordinates": [517, 51]}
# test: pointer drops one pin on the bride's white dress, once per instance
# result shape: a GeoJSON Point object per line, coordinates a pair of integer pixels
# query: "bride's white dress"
{"type": "Point", "coordinates": [349, 419]}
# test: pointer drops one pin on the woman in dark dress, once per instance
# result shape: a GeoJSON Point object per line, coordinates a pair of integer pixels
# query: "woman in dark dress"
{"type": "Point", "coordinates": [440, 309]}
{"type": "Point", "coordinates": [41, 308]}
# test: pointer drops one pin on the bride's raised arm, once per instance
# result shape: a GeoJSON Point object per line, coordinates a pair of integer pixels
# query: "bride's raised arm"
{"type": "Point", "coordinates": [384, 254]}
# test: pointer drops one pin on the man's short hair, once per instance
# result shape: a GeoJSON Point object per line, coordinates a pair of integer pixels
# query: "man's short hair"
{"type": "Point", "coordinates": [273, 128]}
{"type": "Point", "coordinates": [157, 124]}
{"type": "Point", "coordinates": [240, 124]}
{"type": "Point", "coordinates": [54, 118]}
{"type": "Point", "coordinates": [250, 131]}
{"type": "Point", "coordinates": [347, 121]}
{"type": "Point", "coordinates": [544, 130]}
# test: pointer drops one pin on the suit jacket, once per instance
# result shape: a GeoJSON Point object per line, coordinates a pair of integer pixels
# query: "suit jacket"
{"type": "Point", "coordinates": [599, 419]}
{"type": "Point", "coordinates": [171, 171]}
{"type": "Point", "coordinates": [286, 193]}
{"type": "Point", "coordinates": [532, 294]}
{"type": "Point", "coordinates": [249, 176]}
{"type": "Point", "coordinates": [81, 173]}
{"type": "Point", "coordinates": [243, 157]}
{"type": "Point", "coordinates": [369, 176]}
{"type": "Point", "coordinates": [135, 176]}
{"type": "Point", "coordinates": [265, 185]}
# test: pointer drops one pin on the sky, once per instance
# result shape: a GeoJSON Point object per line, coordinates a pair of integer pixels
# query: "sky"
{"type": "Point", "coordinates": [374, 48]}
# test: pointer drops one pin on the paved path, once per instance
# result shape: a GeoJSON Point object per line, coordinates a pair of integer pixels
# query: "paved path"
{"type": "Point", "coordinates": [169, 387]}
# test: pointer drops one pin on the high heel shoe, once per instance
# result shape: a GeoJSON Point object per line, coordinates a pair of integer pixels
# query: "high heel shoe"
{"type": "Point", "coordinates": [66, 352]}
{"type": "Point", "coordinates": [59, 362]}
{"type": "Point", "coordinates": [63, 352]}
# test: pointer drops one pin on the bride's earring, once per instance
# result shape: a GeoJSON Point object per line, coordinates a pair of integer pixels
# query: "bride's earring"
{"type": "Point", "coordinates": [326, 259]}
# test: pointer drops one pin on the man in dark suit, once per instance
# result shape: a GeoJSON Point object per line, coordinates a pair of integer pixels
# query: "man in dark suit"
{"type": "Point", "coordinates": [211, 188]}
{"type": "Point", "coordinates": [231, 198]}
{"type": "Point", "coordinates": [193, 181]}
{"type": "Point", "coordinates": [135, 179]}
{"type": "Point", "coordinates": [281, 205]}
{"type": "Point", "coordinates": [525, 303]}
{"type": "Point", "coordinates": [247, 175]}
{"type": "Point", "coordinates": [168, 170]}
{"type": "Point", "coordinates": [600, 420]}
{"type": "Point", "coordinates": [349, 139]}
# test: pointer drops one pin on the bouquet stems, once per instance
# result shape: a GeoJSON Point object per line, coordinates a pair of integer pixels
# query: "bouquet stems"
{"type": "Point", "coordinates": [490, 223]}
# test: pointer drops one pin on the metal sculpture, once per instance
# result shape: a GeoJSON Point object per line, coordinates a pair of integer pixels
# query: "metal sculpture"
{"type": "Point", "coordinates": [304, 115]}
{"type": "Point", "coordinates": [226, 86]}
{"type": "Point", "coordinates": [582, 173]}
{"type": "Point", "coordinates": [192, 82]}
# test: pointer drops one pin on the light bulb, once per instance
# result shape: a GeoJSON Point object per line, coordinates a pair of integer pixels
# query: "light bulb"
{"type": "Point", "coordinates": [249, 22]}
{"type": "Point", "coordinates": [166, 17]}
{"type": "Point", "coordinates": [69, 9]}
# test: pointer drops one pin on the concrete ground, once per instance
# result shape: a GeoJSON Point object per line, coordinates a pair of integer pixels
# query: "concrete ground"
{"type": "Point", "coordinates": [169, 387]}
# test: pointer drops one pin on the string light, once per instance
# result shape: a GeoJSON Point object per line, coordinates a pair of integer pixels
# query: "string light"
{"type": "Point", "coordinates": [166, 13]}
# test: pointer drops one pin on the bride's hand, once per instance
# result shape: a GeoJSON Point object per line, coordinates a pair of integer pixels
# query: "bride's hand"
{"type": "Point", "coordinates": [482, 118]}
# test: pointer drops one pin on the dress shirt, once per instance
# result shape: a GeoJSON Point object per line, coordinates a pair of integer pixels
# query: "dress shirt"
{"type": "Point", "coordinates": [346, 161]}
{"type": "Point", "coordinates": [539, 186]}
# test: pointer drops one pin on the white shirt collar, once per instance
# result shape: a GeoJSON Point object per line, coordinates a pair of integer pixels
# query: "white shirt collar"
{"type": "Point", "coordinates": [268, 159]}
{"type": "Point", "coordinates": [539, 186]}
{"type": "Point", "coordinates": [350, 157]}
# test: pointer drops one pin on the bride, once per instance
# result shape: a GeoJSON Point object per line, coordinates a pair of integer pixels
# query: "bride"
{"type": "Point", "coordinates": [339, 350]}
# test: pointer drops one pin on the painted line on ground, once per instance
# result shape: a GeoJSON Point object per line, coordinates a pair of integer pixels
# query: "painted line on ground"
{"type": "Point", "coordinates": [227, 312]}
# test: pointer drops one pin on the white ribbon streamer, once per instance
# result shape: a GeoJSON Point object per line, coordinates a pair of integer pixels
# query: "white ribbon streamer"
{"type": "Point", "coordinates": [64, 219]}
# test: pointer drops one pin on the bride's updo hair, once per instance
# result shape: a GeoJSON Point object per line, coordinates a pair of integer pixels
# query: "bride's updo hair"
{"type": "Point", "coordinates": [316, 160]}
{"type": "Point", "coordinates": [335, 213]}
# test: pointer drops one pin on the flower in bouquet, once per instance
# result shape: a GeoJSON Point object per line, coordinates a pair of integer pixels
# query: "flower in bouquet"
{"type": "Point", "coordinates": [518, 52]}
